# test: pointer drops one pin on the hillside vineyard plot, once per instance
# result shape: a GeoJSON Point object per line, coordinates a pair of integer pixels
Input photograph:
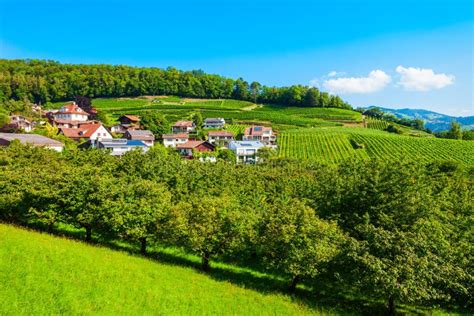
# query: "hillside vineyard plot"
{"type": "Point", "coordinates": [335, 144]}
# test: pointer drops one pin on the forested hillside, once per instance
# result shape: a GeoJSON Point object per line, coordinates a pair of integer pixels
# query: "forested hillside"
{"type": "Point", "coordinates": [43, 81]}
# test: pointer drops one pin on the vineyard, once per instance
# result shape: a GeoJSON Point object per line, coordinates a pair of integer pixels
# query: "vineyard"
{"type": "Point", "coordinates": [375, 123]}
{"type": "Point", "coordinates": [336, 144]}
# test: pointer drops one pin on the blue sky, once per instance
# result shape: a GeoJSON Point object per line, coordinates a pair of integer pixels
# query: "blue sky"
{"type": "Point", "coordinates": [416, 54]}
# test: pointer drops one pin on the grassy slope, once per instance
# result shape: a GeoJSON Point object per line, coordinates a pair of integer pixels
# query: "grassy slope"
{"type": "Point", "coordinates": [41, 274]}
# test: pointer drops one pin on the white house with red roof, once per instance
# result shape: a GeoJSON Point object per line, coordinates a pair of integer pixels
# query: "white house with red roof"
{"type": "Point", "coordinates": [220, 137]}
{"type": "Point", "coordinates": [262, 134]}
{"type": "Point", "coordinates": [71, 112]}
{"type": "Point", "coordinates": [183, 127]}
{"type": "Point", "coordinates": [172, 140]}
{"type": "Point", "coordinates": [88, 131]}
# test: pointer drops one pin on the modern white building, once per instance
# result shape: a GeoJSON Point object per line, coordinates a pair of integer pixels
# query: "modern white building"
{"type": "Point", "coordinates": [173, 140]}
{"type": "Point", "coordinates": [246, 151]}
{"type": "Point", "coordinates": [211, 122]}
{"type": "Point", "coordinates": [120, 146]}
{"type": "Point", "coordinates": [262, 134]}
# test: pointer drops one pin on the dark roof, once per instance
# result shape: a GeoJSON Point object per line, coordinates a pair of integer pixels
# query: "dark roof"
{"type": "Point", "coordinates": [33, 139]}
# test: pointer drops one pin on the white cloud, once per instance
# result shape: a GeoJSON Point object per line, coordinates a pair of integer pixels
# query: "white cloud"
{"type": "Point", "coordinates": [419, 79]}
{"type": "Point", "coordinates": [375, 81]}
{"type": "Point", "coordinates": [333, 73]}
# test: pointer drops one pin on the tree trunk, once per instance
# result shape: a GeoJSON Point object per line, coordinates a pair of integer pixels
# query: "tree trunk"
{"type": "Point", "coordinates": [88, 234]}
{"type": "Point", "coordinates": [205, 261]}
{"type": "Point", "coordinates": [391, 305]}
{"type": "Point", "coordinates": [294, 283]}
{"type": "Point", "coordinates": [143, 246]}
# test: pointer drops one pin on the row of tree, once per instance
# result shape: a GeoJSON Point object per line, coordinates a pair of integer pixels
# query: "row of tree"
{"type": "Point", "coordinates": [43, 81]}
{"type": "Point", "coordinates": [396, 231]}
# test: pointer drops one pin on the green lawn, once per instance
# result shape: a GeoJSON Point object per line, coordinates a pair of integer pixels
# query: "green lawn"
{"type": "Point", "coordinates": [42, 274]}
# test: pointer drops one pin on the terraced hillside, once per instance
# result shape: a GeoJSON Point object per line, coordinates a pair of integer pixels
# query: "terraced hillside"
{"type": "Point", "coordinates": [243, 111]}
{"type": "Point", "coordinates": [335, 144]}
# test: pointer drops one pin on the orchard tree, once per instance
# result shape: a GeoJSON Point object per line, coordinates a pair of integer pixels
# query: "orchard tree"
{"type": "Point", "coordinates": [297, 242]}
{"type": "Point", "coordinates": [138, 209]}
{"type": "Point", "coordinates": [208, 225]}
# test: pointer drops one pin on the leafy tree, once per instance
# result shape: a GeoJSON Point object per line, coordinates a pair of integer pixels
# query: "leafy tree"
{"type": "Point", "coordinates": [255, 89]}
{"type": "Point", "coordinates": [226, 155]}
{"type": "Point", "coordinates": [208, 225]}
{"type": "Point", "coordinates": [311, 98]}
{"type": "Point", "coordinates": [455, 132]}
{"type": "Point", "coordinates": [138, 209]}
{"type": "Point", "coordinates": [197, 119]}
{"type": "Point", "coordinates": [155, 122]}
{"type": "Point", "coordinates": [296, 241]}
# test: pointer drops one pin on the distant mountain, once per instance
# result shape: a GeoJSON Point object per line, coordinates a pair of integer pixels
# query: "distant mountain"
{"type": "Point", "coordinates": [433, 120]}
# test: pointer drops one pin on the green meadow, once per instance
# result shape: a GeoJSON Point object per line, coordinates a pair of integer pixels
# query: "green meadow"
{"type": "Point", "coordinates": [41, 274]}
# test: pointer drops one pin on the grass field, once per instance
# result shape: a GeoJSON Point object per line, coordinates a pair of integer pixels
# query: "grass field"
{"type": "Point", "coordinates": [335, 144]}
{"type": "Point", "coordinates": [41, 274]}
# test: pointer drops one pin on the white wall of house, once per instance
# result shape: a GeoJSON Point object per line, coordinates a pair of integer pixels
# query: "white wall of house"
{"type": "Point", "coordinates": [71, 117]}
{"type": "Point", "coordinates": [101, 133]}
{"type": "Point", "coordinates": [173, 142]}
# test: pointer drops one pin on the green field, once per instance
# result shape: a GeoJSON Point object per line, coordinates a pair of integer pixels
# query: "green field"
{"type": "Point", "coordinates": [41, 274]}
{"type": "Point", "coordinates": [335, 144]}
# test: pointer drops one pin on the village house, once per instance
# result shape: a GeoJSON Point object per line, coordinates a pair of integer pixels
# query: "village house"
{"type": "Point", "coordinates": [127, 123]}
{"type": "Point", "coordinates": [31, 139]}
{"type": "Point", "coordinates": [221, 138]}
{"type": "Point", "coordinates": [183, 127]}
{"type": "Point", "coordinates": [18, 122]}
{"type": "Point", "coordinates": [118, 147]}
{"type": "Point", "coordinates": [71, 112]}
{"type": "Point", "coordinates": [187, 149]}
{"type": "Point", "coordinates": [246, 151]}
{"type": "Point", "coordinates": [172, 140]}
{"type": "Point", "coordinates": [87, 131]}
{"type": "Point", "coordinates": [262, 134]}
{"type": "Point", "coordinates": [143, 135]}
{"type": "Point", "coordinates": [214, 123]}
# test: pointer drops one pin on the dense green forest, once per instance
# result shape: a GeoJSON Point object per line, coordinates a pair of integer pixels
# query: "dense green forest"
{"type": "Point", "coordinates": [382, 232]}
{"type": "Point", "coordinates": [42, 81]}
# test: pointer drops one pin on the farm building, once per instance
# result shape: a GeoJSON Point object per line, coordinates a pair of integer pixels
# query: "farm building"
{"type": "Point", "coordinates": [220, 137]}
{"type": "Point", "coordinates": [187, 149]}
{"type": "Point", "coordinates": [246, 151]}
{"type": "Point", "coordinates": [214, 122]}
{"type": "Point", "coordinates": [184, 127]}
{"type": "Point", "coordinates": [143, 135]}
{"type": "Point", "coordinates": [172, 140]}
{"type": "Point", "coordinates": [31, 139]}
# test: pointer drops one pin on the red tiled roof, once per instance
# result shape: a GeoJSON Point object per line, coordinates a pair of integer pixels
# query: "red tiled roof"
{"type": "Point", "coordinates": [84, 131]}
{"type": "Point", "coordinates": [221, 133]}
{"type": "Point", "coordinates": [256, 130]}
{"type": "Point", "coordinates": [183, 124]}
{"type": "Point", "coordinates": [71, 109]}
{"type": "Point", "coordinates": [181, 135]}
{"type": "Point", "coordinates": [192, 144]}
{"type": "Point", "coordinates": [132, 118]}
